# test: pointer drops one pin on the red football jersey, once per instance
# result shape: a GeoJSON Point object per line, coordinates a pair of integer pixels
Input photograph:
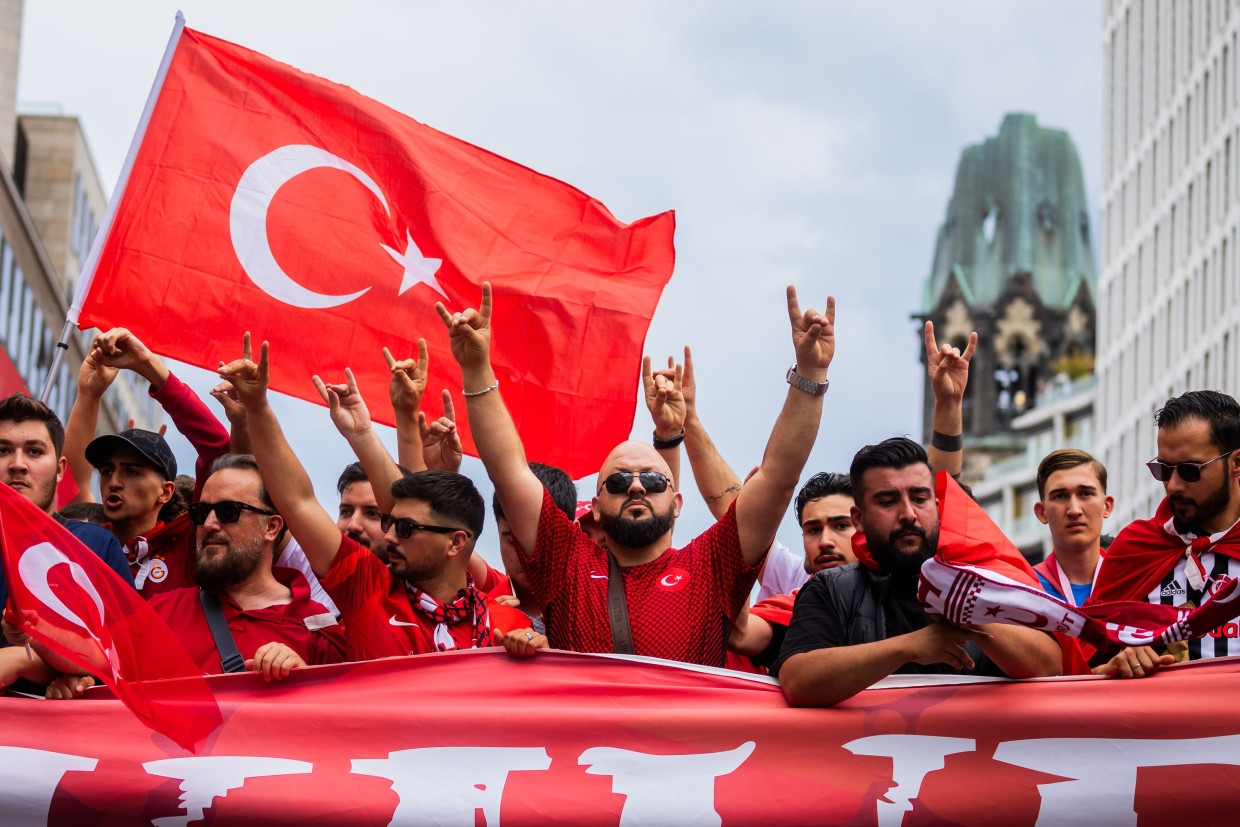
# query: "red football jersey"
{"type": "Point", "coordinates": [680, 604]}
{"type": "Point", "coordinates": [319, 642]}
{"type": "Point", "coordinates": [380, 620]}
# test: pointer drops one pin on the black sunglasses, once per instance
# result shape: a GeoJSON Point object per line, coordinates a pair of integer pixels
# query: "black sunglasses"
{"type": "Point", "coordinates": [1188, 471]}
{"type": "Point", "coordinates": [405, 527]}
{"type": "Point", "coordinates": [226, 511]}
{"type": "Point", "coordinates": [621, 481]}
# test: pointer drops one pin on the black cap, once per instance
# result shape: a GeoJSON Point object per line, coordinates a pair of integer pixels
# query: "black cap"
{"type": "Point", "coordinates": [147, 443]}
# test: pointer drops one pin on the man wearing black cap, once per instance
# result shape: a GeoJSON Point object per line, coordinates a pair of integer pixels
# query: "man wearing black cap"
{"type": "Point", "coordinates": [136, 467]}
{"type": "Point", "coordinates": [136, 473]}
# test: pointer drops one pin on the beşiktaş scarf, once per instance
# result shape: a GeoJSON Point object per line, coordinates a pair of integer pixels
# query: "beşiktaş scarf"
{"type": "Point", "coordinates": [469, 603]}
{"type": "Point", "coordinates": [968, 536]}
{"type": "Point", "coordinates": [968, 595]}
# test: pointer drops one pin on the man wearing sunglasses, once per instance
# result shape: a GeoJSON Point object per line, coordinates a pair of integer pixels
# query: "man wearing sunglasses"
{"type": "Point", "coordinates": [1192, 542]}
{"type": "Point", "coordinates": [424, 599]}
{"type": "Point", "coordinates": [679, 602]}
{"type": "Point", "coordinates": [271, 616]}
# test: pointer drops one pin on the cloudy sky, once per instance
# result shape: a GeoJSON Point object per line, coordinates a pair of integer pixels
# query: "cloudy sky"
{"type": "Point", "coordinates": [808, 143]}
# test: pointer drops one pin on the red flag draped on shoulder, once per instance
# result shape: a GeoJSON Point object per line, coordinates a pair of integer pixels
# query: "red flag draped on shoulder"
{"type": "Point", "coordinates": [68, 600]}
{"type": "Point", "coordinates": [967, 535]}
{"type": "Point", "coordinates": [257, 197]}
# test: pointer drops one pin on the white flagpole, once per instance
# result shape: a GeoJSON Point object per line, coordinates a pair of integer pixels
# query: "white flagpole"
{"type": "Point", "coordinates": [92, 260]}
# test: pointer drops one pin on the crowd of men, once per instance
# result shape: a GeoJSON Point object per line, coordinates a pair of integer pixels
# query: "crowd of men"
{"type": "Point", "coordinates": [250, 572]}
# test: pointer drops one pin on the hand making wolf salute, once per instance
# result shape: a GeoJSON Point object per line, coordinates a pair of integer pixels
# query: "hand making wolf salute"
{"type": "Point", "coordinates": [679, 601]}
{"type": "Point", "coordinates": [423, 600]}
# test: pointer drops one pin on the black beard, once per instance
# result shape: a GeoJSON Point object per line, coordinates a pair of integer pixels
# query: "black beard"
{"type": "Point", "coordinates": [903, 567]}
{"type": "Point", "coordinates": [414, 574]}
{"type": "Point", "coordinates": [232, 567]}
{"type": "Point", "coordinates": [1213, 505]}
{"type": "Point", "coordinates": [637, 532]}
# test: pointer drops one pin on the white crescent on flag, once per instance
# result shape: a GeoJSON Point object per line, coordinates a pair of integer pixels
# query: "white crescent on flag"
{"type": "Point", "coordinates": [34, 567]}
{"type": "Point", "coordinates": [247, 221]}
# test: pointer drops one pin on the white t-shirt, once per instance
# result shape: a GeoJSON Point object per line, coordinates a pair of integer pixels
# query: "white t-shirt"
{"type": "Point", "coordinates": [294, 558]}
{"type": "Point", "coordinates": [784, 572]}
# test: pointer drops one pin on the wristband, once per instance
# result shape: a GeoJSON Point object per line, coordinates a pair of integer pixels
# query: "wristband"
{"type": "Point", "coordinates": [947, 443]}
{"type": "Point", "coordinates": [674, 442]}
{"type": "Point", "coordinates": [799, 382]}
{"type": "Point", "coordinates": [481, 392]}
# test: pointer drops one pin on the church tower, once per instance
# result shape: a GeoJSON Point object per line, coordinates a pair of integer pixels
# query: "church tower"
{"type": "Point", "coordinates": [1014, 261]}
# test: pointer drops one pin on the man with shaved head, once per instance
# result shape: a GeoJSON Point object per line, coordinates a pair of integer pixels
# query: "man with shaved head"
{"type": "Point", "coordinates": [639, 595]}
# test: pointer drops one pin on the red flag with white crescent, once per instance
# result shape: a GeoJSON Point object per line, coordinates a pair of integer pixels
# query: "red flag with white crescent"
{"type": "Point", "coordinates": [257, 197]}
{"type": "Point", "coordinates": [68, 600]}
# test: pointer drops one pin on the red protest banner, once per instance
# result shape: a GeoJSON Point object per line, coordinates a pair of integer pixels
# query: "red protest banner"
{"type": "Point", "coordinates": [262, 198]}
{"type": "Point", "coordinates": [479, 737]}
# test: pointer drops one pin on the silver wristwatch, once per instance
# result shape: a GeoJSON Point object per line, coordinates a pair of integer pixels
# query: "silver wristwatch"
{"type": "Point", "coordinates": [802, 384]}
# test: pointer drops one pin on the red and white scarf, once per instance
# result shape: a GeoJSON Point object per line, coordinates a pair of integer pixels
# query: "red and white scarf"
{"type": "Point", "coordinates": [970, 595]}
{"type": "Point", "coordinates": [468, 603]}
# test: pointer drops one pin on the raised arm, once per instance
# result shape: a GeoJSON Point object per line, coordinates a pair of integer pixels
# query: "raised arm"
{"type": "Point", "coordinates": [93, 380]}
{"type": "Point", "coordinates": [716, 481]}
{"type": "Point", "coordinates": [405, 390]}
{"type": "Point", "coordinates": [441, 442]}
{"type": "Point", "coordinates": [666, 402]}
{"type": "Point", "coordinates": [764, 498]}
{"type": "Point", "coordinates": [118, 348]}
{"type": "Point", "coordinates": [283, 476]}
{"type": "Point", "coordinates": [352, 418]}
{"type": "Point", "coordinates": [495, 436]}
{"type": "Point", "coordinates": [949, 375]}
{"type": "Point", "coordinates": [238, 431]}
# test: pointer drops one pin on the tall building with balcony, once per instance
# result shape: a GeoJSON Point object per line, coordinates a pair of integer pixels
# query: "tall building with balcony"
{"type": "Point", "coordinates": [51, 203]}
{"type": "Point", "coordinates": [1169, 290]}
{"type": "Point", "coordinates": [1062, 418]}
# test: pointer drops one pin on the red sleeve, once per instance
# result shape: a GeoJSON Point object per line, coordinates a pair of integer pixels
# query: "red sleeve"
{"type": "Point", "coordinates": [196, 423]}
{"type": "Point", "coordinates": [496, 584]}
{"type": "Point", "coordinates": [354, 576]}
{"type": "Point", "coordinates": [559, 542]}
{"type": "Point", "coordinates": [777, 609]}
{"type": "Point", "coordinates": [505, 618]}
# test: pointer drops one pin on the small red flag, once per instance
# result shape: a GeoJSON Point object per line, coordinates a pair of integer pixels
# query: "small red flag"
{"type": "Point", "coordinates": [257, 197]}
{"type": "Point", "coordinates": [67, 599]}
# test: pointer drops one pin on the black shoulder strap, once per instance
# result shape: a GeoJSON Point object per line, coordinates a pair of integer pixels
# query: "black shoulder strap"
{"type": "Point", "coordinates": [230, 658]}
{"type": "Point", "coordinates": [618, 609]}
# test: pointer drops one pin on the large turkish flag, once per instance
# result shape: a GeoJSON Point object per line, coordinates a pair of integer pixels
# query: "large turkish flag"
{"type": "Point", "coordinates": [261, 198]}
{"type": "Point", "coordinates": [67, 599]}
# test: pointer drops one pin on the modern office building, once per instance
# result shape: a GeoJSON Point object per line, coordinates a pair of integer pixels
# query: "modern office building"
{"type": "Point", "coordinates": [51, 203]}
{"type": "Point", "coordinates": [1169, 290]}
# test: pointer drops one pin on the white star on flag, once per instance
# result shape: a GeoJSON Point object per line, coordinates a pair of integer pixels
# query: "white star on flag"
{"type": "Point", "coordinates": [418, 268]}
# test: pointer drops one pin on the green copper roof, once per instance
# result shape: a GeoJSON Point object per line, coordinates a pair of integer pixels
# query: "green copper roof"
{"type": "Point", "coordinates": [1018, 206]}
